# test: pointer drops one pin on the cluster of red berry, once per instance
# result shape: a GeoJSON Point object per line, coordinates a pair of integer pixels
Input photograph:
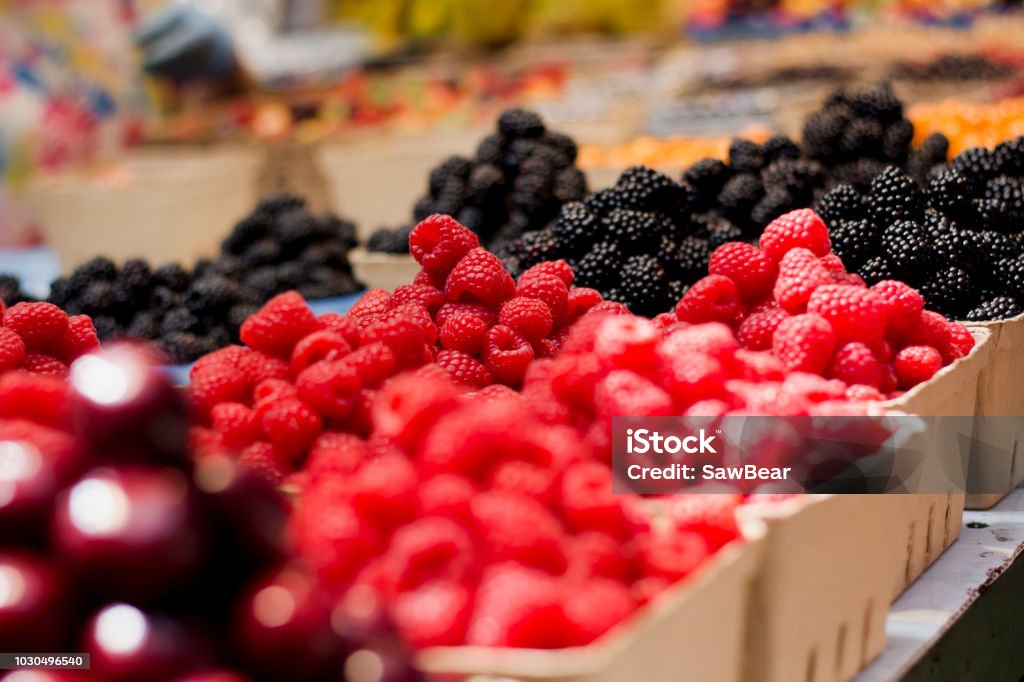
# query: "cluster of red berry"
{"type": "Point", "coordinates": [474, 520]}
{"type": "Point", "coordinates": [42, 339]}
{"type": "Point", "coordinates": [794, 297]}
{"type": "Point", "coordinates": [299, 374]}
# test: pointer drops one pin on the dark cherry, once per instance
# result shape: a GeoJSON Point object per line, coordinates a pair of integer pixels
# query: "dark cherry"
{"type": "Point", "coordinates": [28, 484]}
{"type": "Point", "coordinates": [33, 604]}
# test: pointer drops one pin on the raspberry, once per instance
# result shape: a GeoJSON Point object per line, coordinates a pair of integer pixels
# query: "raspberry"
{"type": "Point", "coordinates": [373, 364]}
{"type": "Point", "coordinates": [550, 289]}
{"type": "Point", "coordinates": [270, 390]}
{"type": "Point", "coordinates": [335, 454]}
{"type": "Point", "coordinates": [464, 369]}
{"type": "Point", "coordinates": [439, 242]}
{"type": "Point", "coordinates": [407, 406]}
{"type": "Point", "coordinates": [436, 614]}
{"type": "Point", "coordinates": [708, 408]}
{"type": "Point", "coordinates": [756, 330]}
{"type": "Point", "coordinates": [38, 398]}
{"type": "Point", "coordinates": [712, 338]}
{"type": "Point", "coordinates": [586, 500]}
{"type": "Point", "coordinates": [507, 355]}
{"type": "Point", "coordinates": [623, 394]}
{"type": "Point", "coordinates": [530, 317]}
{"type": "Point", "coordinates": [373, 302]}
{"type": "Point", "coordinates": [489, 317]}
{"type": "Point", "coordinates": [903, 304]}
{"type": "Point", "coordinates": [384, 490]}
{"type": "Point", "coordinates": [518, 606]}
{"type": "Point", "coordinates": [36, 323]}
{"type": "Point", "coordinates": [859, 392]}
{"type": "Point", "coordinates": [290, 426]}
{"type": "Point", "coordinates": [916, 364]}
{"type": "Point", "coordinates": [464, 332]}
{"type": "Point", "coordinates": [854, 313]}
{"type": "Point", "coordinates": [558, 268]}
{"type": "Point", "coordinates": [854, 363]}
{"type": "Point", "coordinates": [801, 228]}
{"type": "Point", "coordinates": [627, 343]}
{"type": "Point", "coordinates": [236, 423]}
{"type": "Point", "coordinates": [714, 298]}
{"type": "Point", "coordinates": [329, 387]}
{"type": "Point", "coordinates": [596, 554]}
{"type": "Point", "coordinates": [812, 387]}
{"type": "Point", "coordinates": [339, 324]}
{"type": "Point", "coordinates": [417, 314]}
{"type": "Point", "coordinates": [213, 384]}
{"type": "Point", "coordinates": [38, 363]}
{"type": "Point", "coordinates": [402, 335]}
{"type": "Point", "coordinates": [664, 320]}
{"type": "Point", "coordinates": [523, 478]}
{"type": "Point", "coordinates": [12, 350]}
{"type": "Point", "coordinates": [279, 325]}
{"type": "Point", "coordinates": [834, 264]}
{"type": "Point", "coordinates": [331, 536]}
{"type": "Point", "coordinates": [747, 266]}
{"type": "Point", "coordinates": [447, 495]}
{"type": "Point", "coordinates": [804, 343]}
{"type": "Point", "coordinates": [484, 433]}
{"type": "Point", "coordinates": [691, 377]}
{"type": "Point", "coordinates": [318, 346]}
{"type": "Point", "coordinates": [713, 517]}
{"type": "Point", "coordinates": [960, 340]}
{"type": "Point", "coordinates": [421, 295]}
{"type": "Point", "coordinates": [79, 339]}
{"type": "Point", "coordinates": [479, 278]}
{"type": "Point", "coordinates": [673, 556]}
{"type": "Point", "coordinates": [800, 273]}
{"type": "Point", "coordinates": [515, 527]}
{"type": "Point", "coordinates": [259, 457]}
{"type": "Point", "coordinates": [429, 549]}
{"type": "Point", "coordinates": [757, 366]}
{"type": "Point", "coordinates": [595, 607]}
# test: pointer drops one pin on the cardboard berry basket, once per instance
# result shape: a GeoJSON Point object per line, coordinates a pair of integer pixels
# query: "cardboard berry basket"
{"type": "Point", "coordinates": [382, 270]}
{"type": "Point", "coordinates": [696, 630]}
{"type": "Point", "coordinates": [997, 460]}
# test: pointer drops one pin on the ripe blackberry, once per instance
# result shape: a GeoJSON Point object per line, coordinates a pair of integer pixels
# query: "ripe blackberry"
{"type": "Point", "coordinates": [1009, 272]}
{"type": "Point", "coordinates": [575, 228]}
{"type": "Point", "coordinates": [165, 298]}
{"type": "Point", "coordinates": [995, 246]}
{"type": "Point", "coordinates": [60, 292]}
{"type": "Point", "coordinates": [893, 197]}
{"type": "Point", "coordinates": [950, 192]}
{"type": "Point", "coordinates": [1009, 157]}
{"type": "Point", "coordinates": [603, 201]}
{"type": "Point", "coordinates": [98, 268]}
{"type": "Point", "coordinates": [450, 198]}
{"type": "Point", "coordinates": [248, 230]}
{"type": "Point", "coordinates": [706, 177]}
{"type": "Point", "coordinates": [855, 241]}
{"type": "Point", "coordinates": [645, 189]}
{"type": "Point", "coordinates": [840, 203]}
{"type": "Point", "coordinates": [739, 195]}
{"type": "Point", "coordinates": [330, 252]}
{"type": "Point", "coordinates": [520, 123]}
{"type": "Point", "coordinates": [780, 147]}
{"type": "Point", "coordinates": [423, 208]}
{"type": "Point", "coordinates": [896, 141]}
{"type": "Point", "coordinates": [213, 295]}
{"type": "Point", "coordinates": [635, 231]}
{"type": "Point", "coordinates": [99, 298]}
{"type": "Point", "coordinates": [485, 186]}
{"type": "Point", "coordinates": [10, 291]}
{"type": "Point", "coordinates": [570, 185]}
{"type": "Point", "coordinates": [822, 132]}
{"type": "Point", "coordinates": [263, 282]}
{"type": "Point", "coordinates": [878, 102]}
{"type": "Point", "coordinates": [275, 205]}
{"type": "Point", "coordinates": [534, 247]}
{"type": "Point", "coordinates": [998, 308]}
{"type": "Point", "coordinates": [745, 156]}
{"type": "Point", "coordinates": [107, 327]}
{"type": "Point", "coordinates": [599, 267]}
{"type": "Point", "coordinates": [339, 230]}
{"type": "Point", "coordinates": [643, 286]}
{"type": "Point", "coordinates": [933, 152]}
{"type": "Point", "coordinates": [949, 291]}
{"type": "Point", "coordinates": [384, 240]}
{"type": "Point", "coordinates": [876, 269]}
{"type": "Point", "coordinates": [184, 346]}
{"type": "Point", "coordinates": [676, 290]}
{"type": "Point", "coordinates": [263, 252]}
{"type": "Point", "coordinates": [959, 248]}
{"type": "Point", "coordinates": [862, 137]}
{"type": "Point", "coordinates": [469, 216]}
{"type": "Point", "coordinates": [517, 152]}
{"type": "Point", "coordinates": [563, 144]}
{"type": "Point", "coordinates": [720, 230]}
{"type": "Point", "coordinates": [453, 168]}
{"type": "Point", "coordinates": [289, 274]}
{"type": "Point", "coordinates": [799, 177]}
{"type": "Point", "coordinates": [238, 314]}
{"type": "Point", "coordinates": [859, 173]}
{"type": "Point", "coordinates": [145, 325]}
{"type": "Point", "coordinates": [771, 206]}
{"type": "Point", "coordinates": [977, 164]}
{"type": "Point", "coordinates": [491, 150]}
{"type": "Point", "coordinates": [908, 249]}
{"type": "Point", "coordinates": [178, 320]}
{"type": "Point", "coordinates": [1002, 204]}
{"type": "Point", "coordinates": [692, 256]}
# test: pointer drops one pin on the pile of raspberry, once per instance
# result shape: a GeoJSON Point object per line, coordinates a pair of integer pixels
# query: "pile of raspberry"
{"type": "Point", "coordinates": [794, 297]}
{"type": "Point", "coordinates": [40, 338]}
{"type": "Point", "coordinates": [299, 375]}
{"type": "Point", "coordinates": [473, 520]}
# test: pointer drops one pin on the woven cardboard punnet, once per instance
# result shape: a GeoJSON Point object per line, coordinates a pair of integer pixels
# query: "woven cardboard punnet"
{"type": "Point", "coordinates": [695, 631]}
{"type": "Point", "coordinates": [382, 270]}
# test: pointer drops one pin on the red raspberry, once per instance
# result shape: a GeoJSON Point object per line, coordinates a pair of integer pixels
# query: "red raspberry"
{"type": "Point", "coordinates": [421, 295]}
{"type": "Point", "coordinates": [447, 495]}
{"type": "Point", "coordinates": [586, 501]}
{"type": "Point", "coordinates": [859, 392]}
{"type": "Point", "coordinates": [903, 304]}
{"type": "Point", "coordinates": [916, 364]}
{"type": "Point", "coordinates": [464, 369]}
{"type": "Point", "coordinates": [237, 424]}
{"type": "Point", "coordinates": [623, 394]}
{"type": "Point", "coordinates": [523, 478]}
{"type": "Point", "coordinates": [714, 298]}
{"type": "Point", "coordinates": [609, 308]}
{"type": "Point", "coordinates": [36, 323]}
{"type": "Point", "coordinates": [801, 228]}
{"type": "Point", "coordinates": [281, 323]}
{"type": "Point", "coordinates": [436, 614]}
{"type": "Point", "coordinates": [429, 549]}
{"type": "Point", "coordinates": [260, 366]}
{"type": "Point", "coordinates": [79, 339]}
{"type": "Point", "coordinates": [596, 606]}
{"type": "Point", "coordinates": [558, 268]}
{"type": "Point", "coordinates": [384, 490]}
{"type": "Point", "coordinates": [812, 387]}
{"type": "Point", "coordinates": [552, 291]}
{"type": "Point", "coordinates": [402, 335]}
{"type": "Point", "coordinates": [331, 536]}
{"type": "Point", "coordinates": [691, 377]}
{"type": "Point", "coordinates": [593, 554]}
{"type": "Point", "coordinates": [335, 455]}
{"type": "Point", "coordinates": [407, 406]}
{"type": "Point", "coordinates": [929, 329]}
{"type": "Point", "coordinates": [489, 317]}
{"type": "Point", "coordinates": [757, 366]}
{"type": "Point", "coordinates": [464, 332]}
{"type": "Point", "coordinates": [12, 350]}
{"type": "Point", "coordinates": [270, 390]}
{"type": "Point", "coordinates": [713, 517]}
{"type": "Point", "coordinates": [259, 458]}
{"type": "Point", "coordinates": [855, 363]}
{"type": "Point", "coordinates": [291, 426]}
{"type": "Point", "coordinates": [507, 355]}
{"type": "Point", "coordinates": [756, 330]}
{"type": "Point", "coordinates": [515, 527]}
{"type": "Point", "coordinates": [960, 340]}
{"type": "Point", "coordinates": [373, 302]}
{"type": "Point", "coordinates": [38, 398]}
{"type": "Point", "coordinates": [530, 317]}
{"type": "Point", "coordinates": [38, 363]}
{"type": "Point", "coordinates": [854, 313]}
{"type": "Point", "coordinates": [439, 242]}
{"type": "Point", "coordinates": [627, 343]}
{"type": "Point", "coordinates": [417, 314]}
{"type": "Point", "coordinates": [340, 324]}
{"type": "Point", "coordinates": [804, 343]}
{"type": "Point", "coordinates": [479, 278]}
{"type": "Point", "coordinates": [373, 364]}
{"type": "Point", "coordinates": [213, 384]}
{"type": "Point", "coordinates": [712, 338]}
{"type": "Point", "coordinates": [321, 345]}
{"type": "Point", "coordinates": [664, 321]}
{"type": "Point", "coordinates": [708, 408]}
{"type": "Point", "coordinates": [834, 264]}
{"type": "Point", "coordinates": [800, 273]}
{"type": "Point", "coordinates": [483, 433]}
{"type": "Point", "coordinates": [673, 556]}
{"type": "Point", "coordinates": [573, 379]}
{"type": "Point", "coordinates": [747, 266]}
{"type": "Point", "coordinates": [329, 387]}
{"type": "Point", "coordinates": [518, 606]}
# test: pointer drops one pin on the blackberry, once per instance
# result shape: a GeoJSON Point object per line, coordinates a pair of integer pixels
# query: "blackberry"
{"type": "Point", "coordinates": [145, 325]}
{"type": "Point", "coordinates": [960, 248]}
{"type": "Point", "coordinates": [797, 176]}
{"type": "Point", "coordinates": [536, 246]}
{"type": "Point", "coordinates": [692, 257]}
{"type": "Point", "coordinates": [721, 230]}
{"type": "Point", "coordinates": [879, 103]}
{"type": "Point", "coordinates": [840, 203]}
{"type": "Point", "coordinates": [977, 164]}
{"type": "Point", "coordinates": [385, 241]}
{"type": "Point", "coordinates": [1009, 272]}
{"type": "Point", "coordinates": [998, 308]}
{"type": "Point", "coordinates": [204, 267]}
{"type": "Point", "coordinates": [238, 314]}
{"type": "Point", "coordinates": [822, 132]}
{"type": "Point", "coordinates": [248, 230]}
{"type": "Point", "coordinates": [575, 228]}
{"type": "Point", "coordinates": [603, 201]}
{"type": "Point", "coordinates": [263, 282]}
{"type": "Point", "coordinates": [855, 241]}
{"type": "Point", "coordinates": [184, 347]}
{"type": "Point", "coordinates": [517, 152]}
{"type": "Point", "coordinates": [862, 138]}
{"type": "Point", "coordinates": [263, 252]}
{"type": "Point", "coordinates": [296, 229]}
{"type": "Point", "coordinates": [676, 290]}
{"type": "Point", "coordinates": [1002, 204]}
{"type": "Point", "coordinates": [99, 298]}
{"type": "Point", "coordinates": [212, 294]}
{"type": "Point", "coordinates": [485, 185]}
{"type": "Point", "coordinates": [450, 198]}
{"type": "Point", "coordinates": [780, 147]}
{"type": "Point", "coordinates": [60, 293]}
{"type": "Point", "coordinates": [896, 141]}
{"type": "Point", "coordinates": [290, 275]}
{"type": "Point", "coordinates": [563, 144]}
{"type": "Point", "coordinates": [1009, 157]}
{"type": "Point", "coordinates": [107, 328]}
{"type": "Point", "coordinates": [165, 298]}
{"type": "Point", "coordinates": [933, 152]}
{"type": "Point", "coordinates": [950, 192]}
{"type": "Point", "coordinates": [339, 230]}
{"type": "Point", "coordinates": [875, 270]}
{"type": "Point", "coordinates": [134, 274]}
{"type": "Point", "coordinates": [274, 206]}
{"type": "Point", "coordinates": [645, 189]}
{"type": "Point", "coordinates": [178, 320]}
{"type": "Point", "coordinates": [453, 168]}
{"type": "Point", "coordinates": [570, 185]}
{"type": "Point", "coordinates": [520, 123]}
{"type": "Point", "coordinates": [635, 231]}
{"type": "Point", "coordinates": [739, 195]}
{"type": "Point", "coordinates": [172, 276]}
{"type": "Point", "coordinates": [949, 291]}
{"type": "Point", "coordinates": [771, 206]}
{"type": "Point", "coordinates": [894, 196]}
{"type": "Point", "coordinates": [908, 249]}
{"type": "Point", "coordinates": [10, 291]}
{"type": "Point", "coordinates": [643, 286]}
{"type": "Point", "coordinates": [995, 246]}
{"type": "Point", "coordinates": [423, 208]}
{"type": "Point", "coordinates": [706, 177]}
{"type": "Point", "coordinates": [745, 156]}
{"type": "Point", "coordinates": [491, 150]}
{"type": "Point", "coordinates": [858, 173]}
{"type": "Point", "coordinates": [599, 267]}
{"type": "Point", "coordinates": [327, 252]}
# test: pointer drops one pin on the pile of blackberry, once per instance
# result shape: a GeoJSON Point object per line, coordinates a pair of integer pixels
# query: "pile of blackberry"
{"type": "Point", "coordinates": [517, 181]}
{"type": "Point", "coordinates": [279, 246]}
{"type": "Point", "coordinates": [958, 238]}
